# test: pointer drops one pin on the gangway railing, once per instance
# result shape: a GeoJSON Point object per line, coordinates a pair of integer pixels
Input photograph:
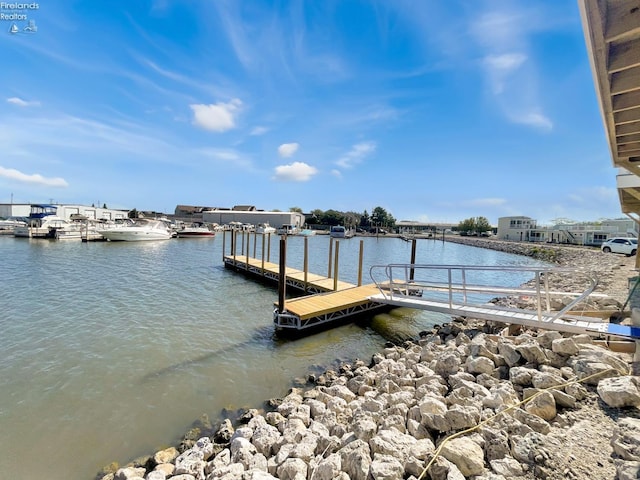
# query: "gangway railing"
{"type": "Point", "coordinates": [455, 288]}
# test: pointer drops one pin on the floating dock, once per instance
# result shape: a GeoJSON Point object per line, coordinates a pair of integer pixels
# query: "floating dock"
{"type": "Point", "coordinates": [457, 290]}
{"type": "Point", "coordinates": [327, 299]}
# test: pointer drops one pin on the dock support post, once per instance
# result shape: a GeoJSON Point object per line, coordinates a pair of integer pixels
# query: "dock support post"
{"type": "Point", "coordinates": [306, 263]}
{"type": "Point", "coordinates": [263, 255]}
{"type": "Point", "coordinates": [255, 242]}
{"type": "Point", "coordinates": [360, 256]}
{"type": "Point", "coordinates": [234, 244]}
{"type": "Point", "coordinates": [269, 248]}
{"type": "Point", "coordinates": [282, 277]}
{"type": "Point", "coordinates": [247, 254]}
{"type": "Point", "coordinates": [224, 241]}
{"type": "Point", "coordinates": [330, 256]}
{"type": "Point", "coordinates": [335, 270]}
{"type": "Point", "coordinates": [413, 259]}
{"type": "Point", "coordinates": [242, 246]}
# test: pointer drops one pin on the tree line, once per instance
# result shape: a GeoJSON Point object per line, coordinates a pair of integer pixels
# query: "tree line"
{"type": "Point", "coordinates": [379, 218]}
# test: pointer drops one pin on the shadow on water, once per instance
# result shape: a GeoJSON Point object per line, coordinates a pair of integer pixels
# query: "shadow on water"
{"type": "Point", "coordinates": [401, 324]}
{"type": "Point", "coordinates": [396, 325]}
{"type": "Point", "coordinates": [262, 336]}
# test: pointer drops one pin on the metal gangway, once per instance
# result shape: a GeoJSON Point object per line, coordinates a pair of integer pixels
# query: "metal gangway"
{"type": "Point", "coordinates": [490, 293]}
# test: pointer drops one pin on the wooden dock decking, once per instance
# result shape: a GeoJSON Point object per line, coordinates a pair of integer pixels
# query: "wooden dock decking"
{"type": "Point", "coordinates": [328, 299]}
{"type": "Point", "coordinates": [312, 283]}
{"type": "Point", "coordinates": [396, 285]}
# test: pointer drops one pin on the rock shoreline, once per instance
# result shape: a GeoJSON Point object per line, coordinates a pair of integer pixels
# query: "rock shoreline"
{"type": "Point", "coordinates": [459, 402]}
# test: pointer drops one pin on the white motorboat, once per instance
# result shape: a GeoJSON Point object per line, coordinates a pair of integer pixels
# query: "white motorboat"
{"type": "Point", "coordinates": [195, 230]}
{"type": "Point", "coordinates": [338, 231]}
{"type": "Point", "coordinates": [137, 230]}
{"type": "Point", "coordinates": [8, 225]}
{"type": "Point", "coordinates": [288, 229]}
{"type": "Point", "coordinates": [265, 229]}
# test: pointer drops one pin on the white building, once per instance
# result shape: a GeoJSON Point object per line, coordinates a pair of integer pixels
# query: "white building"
{"type": "Point", "coordinates": [8, 210]}
{"type": "Point", "coordinates": [516, 228]}
{"type": "Point", "coordinates": [254, 217]}
{"type": "Point", "coordinates": [525, 229]}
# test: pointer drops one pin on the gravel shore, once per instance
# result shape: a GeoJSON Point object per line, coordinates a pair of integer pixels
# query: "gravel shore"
{"type": "Point", "coordinates": [459, 402]}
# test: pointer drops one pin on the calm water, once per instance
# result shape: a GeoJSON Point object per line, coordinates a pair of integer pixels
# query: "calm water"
{"type": "Point", "coordinates": [109, 351]}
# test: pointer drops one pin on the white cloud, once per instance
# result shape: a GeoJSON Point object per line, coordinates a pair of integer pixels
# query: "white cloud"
{"type": "Point", "coordinates": [227, 156]}
{"type": "Point", "coordinates": [22, 103]}
{"type": "Point", "coordinates": [259, 130]}
{"type": "Point", "coordinates": [357, 153]}
{"type": "Point", "coordinates": [486, 202]}
{"type": "Point", "coordinates": [36, 178]}
{"type": "Point", "coordinates": [533, 119]}
{"type": "Point", "coordinates": [511, 73]}
{"type": "Point", "coordinates": [217, 118]}
{"type": "Point", "coordinates": [295, 172]}
{"type": "Point", "coordinates": [505, 62]}
{"type": "Point", "coordinates": [336, 173]}
{"type": "Point", "coordinates": [287, 149]}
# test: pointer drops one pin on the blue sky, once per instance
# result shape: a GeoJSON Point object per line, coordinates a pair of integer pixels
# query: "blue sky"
{"type": "Point", "coordinates": [434, 110]}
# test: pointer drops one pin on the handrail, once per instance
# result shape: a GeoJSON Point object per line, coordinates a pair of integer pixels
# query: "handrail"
{"type": "Point", "coordinates": [463, 284]}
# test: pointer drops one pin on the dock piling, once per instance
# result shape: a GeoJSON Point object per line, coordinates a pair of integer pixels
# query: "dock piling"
{"type": "Point", "coordinates": [282, 279]}
{"type": "Point", "coordinates": [330, 257]}
{"type": "Point", "coordinates": [306, 264]}
{"type": "Point", "coordinates": [413, 259]}
{"type": "Point", "coordinates": [335, 269]}
{"type": "Point", "coordinates": [361, 255]}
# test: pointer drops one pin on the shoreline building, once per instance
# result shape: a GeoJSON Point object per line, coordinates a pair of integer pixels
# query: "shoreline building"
{"type": "Point", "coordinates": [248, 214]}
{"type": "Point", "coordinates": [22, 210]}
{"type": "Point", "coordinates": [525, 229]}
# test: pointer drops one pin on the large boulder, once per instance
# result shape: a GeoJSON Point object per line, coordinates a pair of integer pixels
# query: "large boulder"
{"type": "Point", "coordinates": [464, 454]}
{"type": "Point", "coordinates": [620, 391]}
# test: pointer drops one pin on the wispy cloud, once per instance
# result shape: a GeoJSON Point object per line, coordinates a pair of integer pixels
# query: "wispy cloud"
{"type": "Point", "coordinates": [356, 155]}
{"type": "Point", "coordinates": [486, 202]}
{"type": "Point", "coordinates": [511, 73]}
{"type": "Point", "coordinates": [259, 130]}
{"type": "Point", "coordinates": [217, 118]}
{"type": "Point", "coordinates": [22, 103]}
{"type": "Point", "coordinates": [499, 67]}
{"type": "Point", "coordinates": [288, 149]}
{"type": "Point", "coordinates": [227, 156]}
{"type": "Point", "coordinates": [34, 178]}
{"type": "Point", "coordinates": [295, 172]}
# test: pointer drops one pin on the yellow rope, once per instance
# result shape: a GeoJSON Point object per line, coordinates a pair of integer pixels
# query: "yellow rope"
{"type": "Point", "coordinates": [484, 422]}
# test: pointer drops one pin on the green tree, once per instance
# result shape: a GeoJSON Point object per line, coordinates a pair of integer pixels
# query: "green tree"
{"type": "Point", "coordinates": [365, 220]}
{"type": "Point", "coordinates": [467, 226]}
{"type": "Point", "coordinates": [104, 205]}
{"type": "Point", "coordinates": [332, 217]}
{"type": "Point", "coordinates": [133, 213]}
{"type": "Point", "coordinates": [482, 225]}
{"type": "Point", "coordinates": [474, 225]}
{"type": "Point", "coordinates": [351, 219]}
{"type": "Point", "coordinates": [295, 209]}
{"type": "Point", "coordinates": [381, 218]}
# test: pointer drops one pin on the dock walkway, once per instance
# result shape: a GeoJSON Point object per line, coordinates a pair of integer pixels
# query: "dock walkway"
{"type": "Point", "coordinates": [457, 290]}
{"type": "Point", "coordinates": [327, 299]}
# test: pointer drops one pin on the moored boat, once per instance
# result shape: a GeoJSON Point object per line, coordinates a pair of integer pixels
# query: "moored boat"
{"type": "Point", "coordinates": [288, 229]}
{"type": "Point", "coordinates": [265, 228]}
{"type": "Point", "coordinates": [137, 230]}
{"type": "Point", "coordinates": [195, 230]}
{"type": "Point", "coordinates": [338, 231]}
